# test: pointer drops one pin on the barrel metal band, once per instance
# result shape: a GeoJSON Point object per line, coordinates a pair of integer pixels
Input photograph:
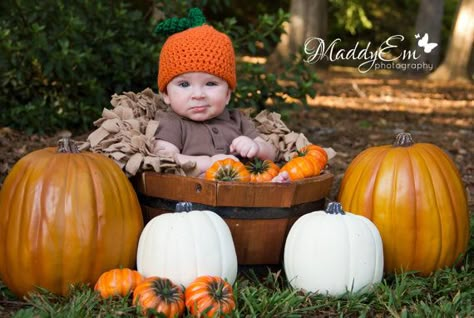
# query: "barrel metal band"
{"type": "Point", "coordinates": [238, 212]}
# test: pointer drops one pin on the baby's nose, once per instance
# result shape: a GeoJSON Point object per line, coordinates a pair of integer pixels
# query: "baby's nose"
{"type": "Point", "coordinates": [198, 92]}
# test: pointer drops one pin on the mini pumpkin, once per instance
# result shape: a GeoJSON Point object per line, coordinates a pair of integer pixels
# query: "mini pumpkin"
{"type": "Point", "coordinates": [117, 282]}
{"type": "Point", "coordinates": [209, 296]}
{"type": "Point", "coordinates": [160, 295]}
{"type": "Point", "coordinates": [227, 170]}
{"type": "Point", "coordinates": [414, 194]}
{"type": "Point", "coordinates": [262, 170]}
{"type": "Point", "coordinates": [333, 252]}
{"type": "Point", "coordinates": [302, 167]}
{"type": "Point", "coordinates": [316, 151]}
{"type": "Point", "coordinates": [187, 244]}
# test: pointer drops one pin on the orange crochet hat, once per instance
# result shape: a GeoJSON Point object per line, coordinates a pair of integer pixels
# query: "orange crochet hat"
{"type": "Point", "coordinates": [197, 49]}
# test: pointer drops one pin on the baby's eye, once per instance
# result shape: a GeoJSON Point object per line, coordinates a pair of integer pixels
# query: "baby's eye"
{"type": "Point", "coordinates": [183, 84]}
{"type": "Point", "coordinates": [211, 84]}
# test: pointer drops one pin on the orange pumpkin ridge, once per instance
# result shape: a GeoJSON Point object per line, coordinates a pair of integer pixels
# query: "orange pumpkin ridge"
{"type": "Point", "coordinates": [302, 167]}
{"type": "Point", "coordinates": [316, 151]}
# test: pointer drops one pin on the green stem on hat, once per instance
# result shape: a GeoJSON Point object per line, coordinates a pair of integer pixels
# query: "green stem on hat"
{"type": "Point", "coordinates": [174, 25]}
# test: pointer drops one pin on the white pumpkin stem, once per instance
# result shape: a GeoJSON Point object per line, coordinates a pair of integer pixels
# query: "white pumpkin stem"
{"type": "Point", "coordinates": [335, 208]}
{"type": "Point", "coordinates": [184, 207]}
{"type": "Point", "coordinates": [403, 140]}
{"type": "Point", "coordinates": [67, 145]}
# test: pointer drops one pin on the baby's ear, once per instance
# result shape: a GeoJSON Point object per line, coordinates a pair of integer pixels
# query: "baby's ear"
{"type": "Point", "coordinates": [165, 97]}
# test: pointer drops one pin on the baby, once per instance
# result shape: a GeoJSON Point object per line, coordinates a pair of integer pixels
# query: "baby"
{"type": "Point", "coordinates": [196, 78]}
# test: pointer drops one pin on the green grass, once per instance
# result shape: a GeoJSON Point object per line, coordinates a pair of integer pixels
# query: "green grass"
{"type": "Point", "coordinates": [266, 293]}
{"type": "Point", "coordinates": [447, 293]}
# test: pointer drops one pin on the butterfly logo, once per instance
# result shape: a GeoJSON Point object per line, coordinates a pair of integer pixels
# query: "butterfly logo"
{"type": "Point", "coordinates": [424, 43]}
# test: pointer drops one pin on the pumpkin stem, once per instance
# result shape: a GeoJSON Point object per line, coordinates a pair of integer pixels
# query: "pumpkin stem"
{"type": "Point", "coordinates": [67, 145]}
{"type": "Point", "coordinates": [227, 174]}
{"type": "Point", "coordinates": [218, 292]}
{"type": "Point", "coordinates": [335, 208]}
{"type": "Point", "coordinates": [257, 166]}
{"type": "Point", "coordinates": [300, 153]}
{"type": "Point", "coordinates": [403, 140]}
{"type": "Point", "coordinates": [166, 290]}
{"type": "Point", "coordinates": [184, 207]}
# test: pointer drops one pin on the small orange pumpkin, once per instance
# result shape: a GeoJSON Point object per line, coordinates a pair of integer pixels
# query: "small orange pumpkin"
{"type": "Point", "coordinates": [316, 151]}
{"type": "Point", "coordinates": [160, 295]}
{"type": "Point", "coordinates": [262, 170]}
{"type": "Point", "coordinates": [117, 282]}
{"type": "Point", "coordinates": [209, 296]}
{"type": "Point", "coordinates": [227, 170]}
{"type": "Point", "coordinates": [302, 167]}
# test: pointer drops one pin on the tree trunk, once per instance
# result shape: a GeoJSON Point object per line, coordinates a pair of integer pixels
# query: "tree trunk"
{"type": "Point", "coordinates": [456, 63]}
{"type": "Point", "coordinates": [429, 21]}
{"type": "Point", "coordinates": [308, 18]}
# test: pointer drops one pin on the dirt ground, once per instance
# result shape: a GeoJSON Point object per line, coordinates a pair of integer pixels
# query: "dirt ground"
{"type": "Point", "coordinates": [350, 113]}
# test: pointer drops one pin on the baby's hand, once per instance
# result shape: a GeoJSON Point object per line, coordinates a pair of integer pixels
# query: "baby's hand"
{"type": "Point", "coordinates": [282, 177]}
{"type": "Point", "coordinates": [245, 147]}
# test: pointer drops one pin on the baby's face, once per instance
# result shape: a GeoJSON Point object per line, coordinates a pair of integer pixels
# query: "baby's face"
{"type": "Point", "coordinates": [196, 95]}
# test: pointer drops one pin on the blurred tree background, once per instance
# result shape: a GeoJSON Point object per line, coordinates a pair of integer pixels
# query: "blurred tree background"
{"type": "Point", "coordinates": [60, 61]}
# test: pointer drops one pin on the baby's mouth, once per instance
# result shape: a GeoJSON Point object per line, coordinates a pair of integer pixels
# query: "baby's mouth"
{"type": "Point", "coordinates": [199, 108]}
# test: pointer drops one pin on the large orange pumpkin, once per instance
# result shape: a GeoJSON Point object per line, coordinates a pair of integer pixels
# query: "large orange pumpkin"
{"type": "Point", "coordinates": [414, 195]}
{"type": "Point", "coordinates": [65, 217]}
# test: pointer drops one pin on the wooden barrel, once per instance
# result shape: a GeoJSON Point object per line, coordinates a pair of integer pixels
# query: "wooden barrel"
{"type": "Point", "coordinates": [259, 215]}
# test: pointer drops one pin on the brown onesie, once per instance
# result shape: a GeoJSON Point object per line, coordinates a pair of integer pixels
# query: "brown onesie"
{"type": "Point", "coordinates": [205, 138]}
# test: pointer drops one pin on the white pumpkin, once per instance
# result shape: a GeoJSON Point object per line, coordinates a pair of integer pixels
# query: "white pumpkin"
{"type": "Point", "coordinates": [333, 252]}
{"type": "Point", "coordinates": [184, 245]}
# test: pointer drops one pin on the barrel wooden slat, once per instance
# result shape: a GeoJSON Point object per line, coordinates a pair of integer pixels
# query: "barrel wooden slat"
{"type": "Point", "coordinates": [259, 241]}
{"type": "Point", "coordinates": [312, 189]}
{"type": "Point", "coordinates": [254, 194]}
{"type": "Point", "coordinates": [174, 187]}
